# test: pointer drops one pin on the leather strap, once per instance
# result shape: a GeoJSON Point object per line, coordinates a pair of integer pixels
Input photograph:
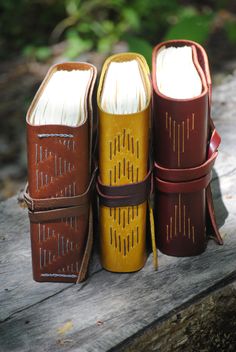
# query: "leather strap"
{"type": "Point", "coordinates": [178, 175]}
{"type": "Point", "coordinates": [193, 179]}
{"type": "Point", "coordinates": [54, 214]}
{"type": "Point", "coordinates": [213, 145]}
{"type": "Point", "coordinates": [125, 195]}
{"type": "Point", "coordinates": [211, 216]}
{"type": "Point", "coordinates": [59, 202]}
{"type": "Point", "coordinates": [63, 207]}
{"type": "Point", "coordinates": [87, 251]}
{"type": "Point", "coordinates": [214, 141]}
{"type": "Point", "coordinates": [183, 187]}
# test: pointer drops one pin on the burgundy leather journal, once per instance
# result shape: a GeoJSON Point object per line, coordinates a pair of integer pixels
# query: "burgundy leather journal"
{"type": "Point", "coordinates": [185, 149]}
{"type": "Point", "coordinates": [60, 179]}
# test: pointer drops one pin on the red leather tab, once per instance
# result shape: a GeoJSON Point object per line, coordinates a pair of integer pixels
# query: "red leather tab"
{"type": "Point", "coordinates": [211, 214]}
{"type": "Point", "coordinates": [214, 143]}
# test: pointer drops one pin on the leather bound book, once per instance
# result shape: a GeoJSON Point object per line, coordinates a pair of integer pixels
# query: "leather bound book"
{"type": "Point", "coordinates": [61, 172]}
{"type": "Point", "coordinates": [123, 185]}
{"type": "Point", "coordinates": [185, 148]}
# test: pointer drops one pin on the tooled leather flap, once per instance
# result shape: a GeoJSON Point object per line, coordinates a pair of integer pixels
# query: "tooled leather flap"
{"type": "Point", "coordinates": [83, 199]}
{"type": "Point", "coordinates": [58, 164]}
{"type": "Point", "coordinates": [187, 174]}
{"type": "Point", "coordinates": [48, 209]}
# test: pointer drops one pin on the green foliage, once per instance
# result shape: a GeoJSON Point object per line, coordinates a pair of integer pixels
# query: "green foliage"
{"type": "Point", "coordinates": [76, 45]}
{"type": "Point", "coordinates": [140, 46]}
{"type": "Point", "coordinates": [230, 28]}
{"type": "Point", "coordinates": [191, 25]}
{"type": "Point", "coordinates": [99, 25]}
{"type": "Point", "coordinates": [32, 26]}
{"type": "Point", "coordinates": [40, 53]}
{"type": "Point", "coordinates": [27, 23]}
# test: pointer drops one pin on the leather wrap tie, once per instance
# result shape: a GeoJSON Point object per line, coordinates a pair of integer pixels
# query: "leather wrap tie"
{"type": "Point", "coordinates": [48, 209]}
{"type": "Point", "coordinates": [125, 195]}
{"type": "Point", "coordinates": [188, 179]}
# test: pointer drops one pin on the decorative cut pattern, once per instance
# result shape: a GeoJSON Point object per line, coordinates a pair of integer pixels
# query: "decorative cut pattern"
{"type": "Point", "coordinates": [124, 231]}
{"type": "Point", "coordinates": [120, 238]}
{"type": "Point", "coordinates": [58, 250]}
{"type": "Point", "coordinates": [179, 133]}
{"type": "Point", "coordinates": [180, 223]}
{"type": "Point", "coordinates": [59, 166]}
{"type": "Point", "coordinates": [123, 144]}
{"type": "Point", "coordinates": [55, 246]}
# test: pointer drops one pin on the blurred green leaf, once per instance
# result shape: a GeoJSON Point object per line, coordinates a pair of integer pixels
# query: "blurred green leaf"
{"type": "Point", "coordinates": [140, 46]}
{"type": "Point", "coordinates": [76, 45]}
{"type": "Point", "coordinates": [99, 24]}
{"type": "Point", "coordinates": [105, 44]}
{"type": "Point", "coordinates": [194, 27]}
{"type": "Point", "coordinates": [187, 12]}
{"type": "Point", "coordinates": [130, 15]}
{"type": "Point", "coordinates": [71, 6]}
{"type": "Point", "coordinates": [84, 27]}
{"type": "Point", "coordinates": [28, 51]}
{"type": "Point", "coordinates": [43, 53]}
{"type": "Point", "coordinates": [230, 28]}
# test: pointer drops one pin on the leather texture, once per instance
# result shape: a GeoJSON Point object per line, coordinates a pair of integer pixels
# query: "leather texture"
{"type": "Point", "coordinates": [185, 148]}
{"type": "Point", "coordinates": [123, 165]}
{"type": "Point", "coordinates": [126, 195]}
{"type": "Point", "coordinates": [60, 182]}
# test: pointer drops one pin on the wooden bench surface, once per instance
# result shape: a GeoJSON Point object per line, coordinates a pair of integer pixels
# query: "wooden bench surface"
{"type": "Point", "coordinates": [108, 310]}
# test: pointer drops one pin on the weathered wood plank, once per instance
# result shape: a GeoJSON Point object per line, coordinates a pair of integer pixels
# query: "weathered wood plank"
{"type": "Point", "coordinates": [17, 289]}
{"type": "Point", "coordinates": [125, 303]}
{"type": "Point", "coordinates": [206, 325]}
{"type": "Point", "coordinates": [110, 308]}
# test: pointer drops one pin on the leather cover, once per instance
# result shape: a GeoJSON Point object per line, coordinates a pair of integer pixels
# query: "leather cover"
{"type": "Point", "coordinates": [185, 148]}
{"type": "Point", "coordinates": [60, 178]}
{"type": "Point", "coordinates": [124, 179]}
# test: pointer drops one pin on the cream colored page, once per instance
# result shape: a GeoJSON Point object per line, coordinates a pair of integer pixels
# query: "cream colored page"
{"type": "Point", "coordinates": [123, 88]}
{"type": "Point", "coordinates": [176, 74]}
{"type": "Point", "coordinates": [63, 100]}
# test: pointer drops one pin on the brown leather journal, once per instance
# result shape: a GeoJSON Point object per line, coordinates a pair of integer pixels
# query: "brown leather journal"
{"type": "Point", "coordinates": [60, 181]}
{"type": "Point", "coordinates": [185, 149]}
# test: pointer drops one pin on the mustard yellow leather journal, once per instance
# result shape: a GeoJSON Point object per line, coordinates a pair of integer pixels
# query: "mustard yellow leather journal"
{"type": "Point", "coordinates": [124, 96]}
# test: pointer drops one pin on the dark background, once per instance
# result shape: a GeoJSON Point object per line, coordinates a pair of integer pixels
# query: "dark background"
{"type": "Point", "coordinates": [34, 34]}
